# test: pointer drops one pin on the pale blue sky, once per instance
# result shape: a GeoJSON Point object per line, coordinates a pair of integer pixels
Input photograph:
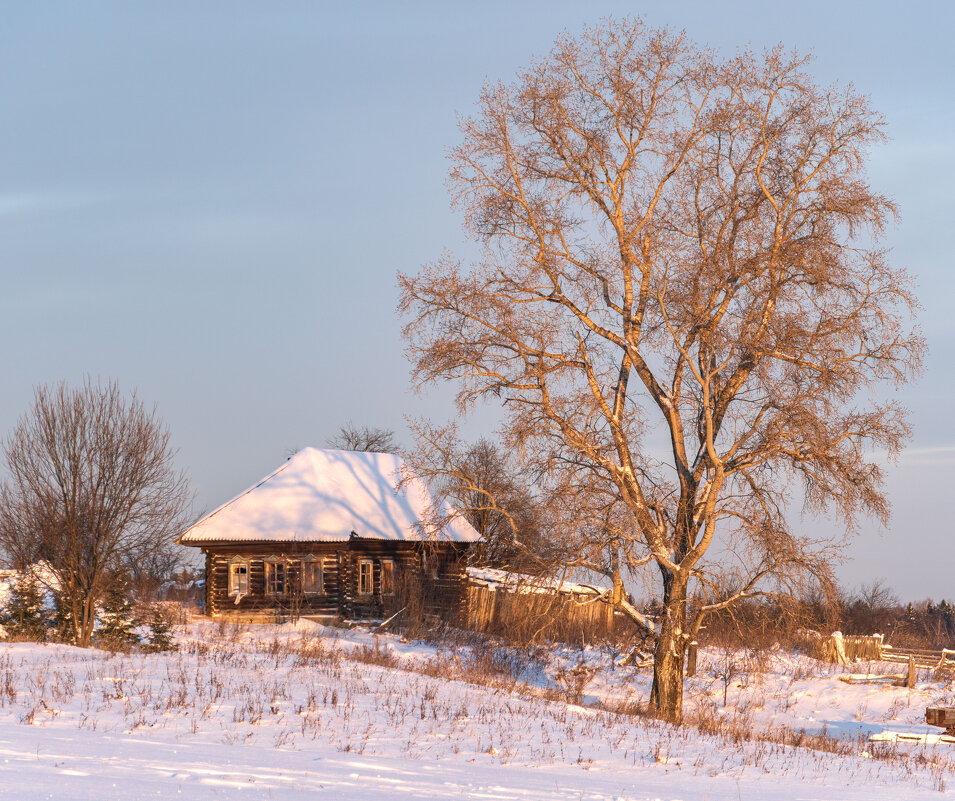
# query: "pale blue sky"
{"type": "Point", "coordinates": [209, 202]}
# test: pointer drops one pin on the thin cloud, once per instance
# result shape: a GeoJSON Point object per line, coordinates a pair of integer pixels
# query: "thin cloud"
{"type": "Point", "coordinates": [18, 203]}
{"type": "Point", "coordinates": [931, 451]}
{"type": "Point", "coordinates": [910, 457]}
{"type": "Point", "coordinates": [933, 454]}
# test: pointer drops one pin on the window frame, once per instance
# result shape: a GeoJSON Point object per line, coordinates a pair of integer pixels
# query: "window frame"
{"type": "Point", "coordinates": [274, 566]}
{"type": "Point", "coordinates": [234, 581]}
{"type": "Point", "coordinates": [430, 567]}
{"type": "Point", "coordinates": [370, 565]}
{"type": "Point", "coordinates": [387, 569]}
{"type": "Point", "coordinates": [309, 563]}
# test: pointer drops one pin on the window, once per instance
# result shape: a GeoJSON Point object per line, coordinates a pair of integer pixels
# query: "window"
{"type": "Point", "coordinates": [275, 578]}
{"type": "Point", "coordinates": [313, 580]}
{"type": "Point", "coordinates": [366, 577]}
{"type": "Point", "coordinates": [238, 578]}
{"type": "Point", "coordinates": [387, 576]}
{"type": "Point", "coordinates": [429, 564]}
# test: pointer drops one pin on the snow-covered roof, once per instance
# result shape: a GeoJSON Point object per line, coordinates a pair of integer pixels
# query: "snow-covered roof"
{"type": "Point", "coordinates": [520, 582]}
{"type": "Point", "coordinates": [325, 496]}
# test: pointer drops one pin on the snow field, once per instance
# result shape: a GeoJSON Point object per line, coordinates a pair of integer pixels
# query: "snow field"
{"type": "Point", "coordinates": [304, 711]}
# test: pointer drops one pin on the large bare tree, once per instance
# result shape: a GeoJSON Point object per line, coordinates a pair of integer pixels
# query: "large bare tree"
{"type": "Point", "coordinates": [682, 303]}
{"type": "Point", "coordinates": [91, 491]}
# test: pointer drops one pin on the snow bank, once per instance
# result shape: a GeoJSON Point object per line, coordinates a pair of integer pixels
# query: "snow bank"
{"type": "Point", "coordinates": [304, 711]}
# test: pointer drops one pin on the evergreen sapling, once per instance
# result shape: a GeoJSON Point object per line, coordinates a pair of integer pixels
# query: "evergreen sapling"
{"type": "Point", "coordinates": [118, 618]}
{"type": "Point", "coordinates": [160, 631]}
{"type": "Point", "coordinates": [23, 616]}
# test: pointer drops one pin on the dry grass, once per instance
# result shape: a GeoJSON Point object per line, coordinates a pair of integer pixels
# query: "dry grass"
{"type": "Point", "coordinates": [467, 697]}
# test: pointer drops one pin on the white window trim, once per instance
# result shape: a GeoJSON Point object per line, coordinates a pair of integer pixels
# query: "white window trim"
{"type": "Point", "coordinates": [235, 584]}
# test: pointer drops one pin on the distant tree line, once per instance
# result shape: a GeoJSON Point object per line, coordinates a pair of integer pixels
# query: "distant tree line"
{"type": "Point", "coordinates": [870, 609]}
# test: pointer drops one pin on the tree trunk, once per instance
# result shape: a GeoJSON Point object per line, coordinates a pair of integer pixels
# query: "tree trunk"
{"type": "Point", "coordinates": [76, 609]}
{"type": "Point", "coordinates": [666, 697]}
{"type": "Point", "coordinates": [618, 591]}
{"type": "Point", "coordinates": [84, 622]}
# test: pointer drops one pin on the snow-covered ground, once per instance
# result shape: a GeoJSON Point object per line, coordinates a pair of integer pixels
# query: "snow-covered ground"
{"type": "Point", "coordinates": [304, 711]}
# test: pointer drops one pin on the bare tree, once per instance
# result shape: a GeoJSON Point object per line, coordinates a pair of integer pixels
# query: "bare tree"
{"type": "Point", "coordinates": [533, 518]}
{"type": "Point", "coordinates": [364, 438]}
{"type": "Point", "coordinates": [488, 487]}
{"type": "Point", "coordinates": [91, 491]}
{"type": "Point", "coordinates": [683, 305]}
{"type": "Point", "coordinates": [152, 570]}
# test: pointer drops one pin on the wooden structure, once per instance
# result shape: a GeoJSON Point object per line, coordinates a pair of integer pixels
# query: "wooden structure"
{"type": "Point", "coordinates": [843, 649]}
{"type": "Point", "coordinates": [930, 660]}
{"type": "Point", "coordinates": [531, 609]}
{"type": "Point", "coordinates": [332, 534]}
{"type": "Point", "coordinates": [943, 716]}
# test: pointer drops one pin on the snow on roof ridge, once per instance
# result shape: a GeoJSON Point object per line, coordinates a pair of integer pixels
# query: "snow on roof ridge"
{"type": "Point", "coordinates": [309, 449]}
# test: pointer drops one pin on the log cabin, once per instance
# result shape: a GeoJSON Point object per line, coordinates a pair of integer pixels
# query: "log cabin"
{"type": "Point", "coordinates": [333, 534]}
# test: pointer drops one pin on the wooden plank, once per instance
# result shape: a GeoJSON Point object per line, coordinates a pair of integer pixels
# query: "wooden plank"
{"type": "Point", "coordinates": [942, 716]}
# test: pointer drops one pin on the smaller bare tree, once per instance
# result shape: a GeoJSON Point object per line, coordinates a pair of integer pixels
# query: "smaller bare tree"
{"type": "Point", "coordinates": [491, 489]}
{"type": "Point", "coordinates": [91, 491]}
{"type": "Point", "coordinates": [351, 437]}
{"type": "Point", "coordinates": [148, 575]}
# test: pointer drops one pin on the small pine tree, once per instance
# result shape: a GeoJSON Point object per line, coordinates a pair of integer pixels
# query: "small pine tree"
{"type": "Point", "coordinates": [23, 616]}
{"type": "Point", "coordinates": [160, 631]}
{"type": "Point", "coordinates": [64, 626]}
{"type": "Point", "coordinates": [118, 619]}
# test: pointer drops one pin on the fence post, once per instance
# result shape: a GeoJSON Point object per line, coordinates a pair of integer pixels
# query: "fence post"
{"type": "Point", "coordinates": [691, 659]}
{"type": "Point", "coordinates": [910, 677]}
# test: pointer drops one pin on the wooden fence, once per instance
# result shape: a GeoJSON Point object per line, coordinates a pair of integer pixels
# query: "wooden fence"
{"type": "Point", "coordinates": [934, 660]}
{"type": "Point", "coordinates": [535, 616]}
{"type": "Point", "coordinates": [872, 648]}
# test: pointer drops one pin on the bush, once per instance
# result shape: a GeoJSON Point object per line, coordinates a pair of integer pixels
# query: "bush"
{"type": "Point", "coordinates": [871, 609]}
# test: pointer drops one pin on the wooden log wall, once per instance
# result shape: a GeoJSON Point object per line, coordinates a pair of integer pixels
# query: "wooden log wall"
{"type": "Point", "coordinates": [292, 602]}
{"type": "Point", "coordinates": [440, 588]}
